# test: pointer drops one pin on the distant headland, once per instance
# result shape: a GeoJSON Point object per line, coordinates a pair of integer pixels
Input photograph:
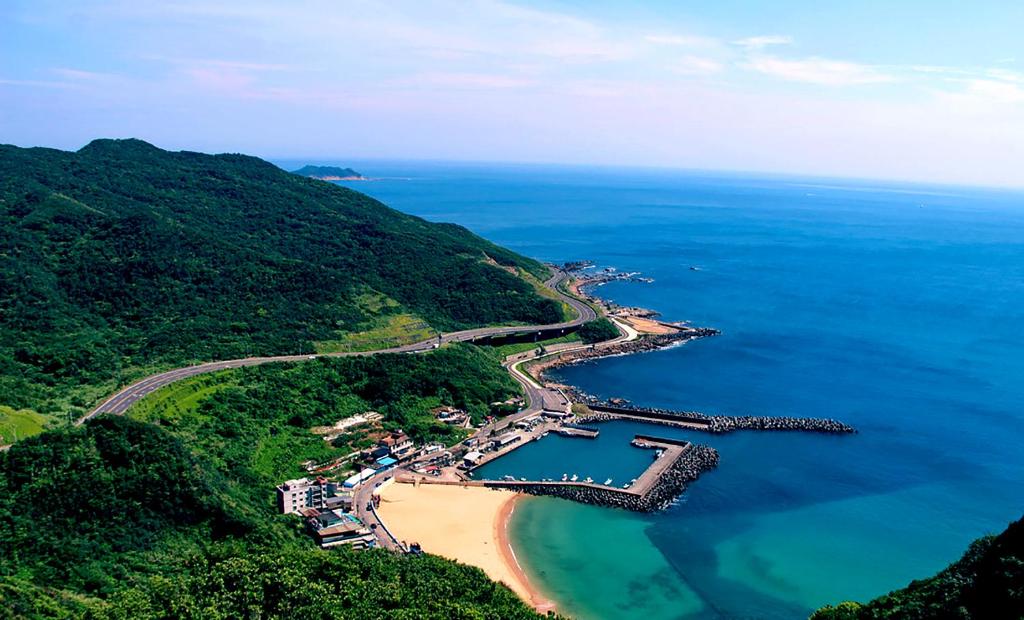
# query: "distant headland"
{"type": "Point", "coordinates": [329, 173]}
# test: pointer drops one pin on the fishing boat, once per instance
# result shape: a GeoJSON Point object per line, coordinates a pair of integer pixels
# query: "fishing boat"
{"type": "Point", "coordinates": [608, 482]}
{"type": "Point", "coordinates": [574, 478]}
{"type": "Point", "coordinates": [565, 477]}
{"type": "Point", "coordinates": [588, 480]}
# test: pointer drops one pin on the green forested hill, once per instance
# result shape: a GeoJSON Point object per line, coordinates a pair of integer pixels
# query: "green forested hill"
{"type": "Point", "coordinates": [122, 257]}
{"type": "Point", "coordinates": [173, 515]}
{"type": "Point", "coordinates": [322, 172]}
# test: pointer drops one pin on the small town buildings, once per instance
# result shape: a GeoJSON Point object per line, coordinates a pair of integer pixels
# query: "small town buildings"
{"type": "Point", "coordinates": [357, 479]}
{"type": "Point", "coordinates": [386, 462]}
{"type": "Point", "coordinates": [371, 455]}
{"type": "Point", "coordinates": [304, 493]}
{"type": "Point", "coordinates": [343, 500]}
{"type": "Point", "coordinates": [472, 459]}
{"type": "Point", "coordinates": [331, 528]}
{"type": "Point", "coordinates": [451, 415]}
{"type": "Point", "coordinates": [505, 440]}
{"type": "Point", "coordinates": [398, 444]}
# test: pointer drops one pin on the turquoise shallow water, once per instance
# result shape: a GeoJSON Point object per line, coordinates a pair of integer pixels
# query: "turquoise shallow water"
{"type": "Point", "coordinates": [897, 309]}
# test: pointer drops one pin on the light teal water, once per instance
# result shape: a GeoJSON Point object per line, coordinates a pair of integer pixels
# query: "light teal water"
{"type": "Point", "coordinates": [895, 308]}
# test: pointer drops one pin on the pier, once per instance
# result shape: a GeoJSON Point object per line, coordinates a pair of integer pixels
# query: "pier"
{"type": "Point", "coordinates": [575, 430]}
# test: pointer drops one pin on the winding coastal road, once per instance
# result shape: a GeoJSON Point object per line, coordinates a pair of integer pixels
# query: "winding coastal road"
{"type": "Point", "coordinates": [125, 398]}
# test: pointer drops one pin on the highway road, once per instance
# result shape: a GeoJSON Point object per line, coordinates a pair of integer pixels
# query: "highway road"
{"type": "Point", "coordinates": [125, 398]}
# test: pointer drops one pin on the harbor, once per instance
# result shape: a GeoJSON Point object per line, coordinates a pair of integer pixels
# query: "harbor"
{"type": "Point", "coordinates": [675, 464]}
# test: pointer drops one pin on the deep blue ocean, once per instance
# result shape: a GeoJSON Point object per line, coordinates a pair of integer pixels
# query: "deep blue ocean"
{"type": "Point", "coordinates": [896, 308]}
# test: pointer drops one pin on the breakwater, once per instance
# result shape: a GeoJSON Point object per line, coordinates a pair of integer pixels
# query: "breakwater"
{"type": "Point", "coordinates": [656, 489]}
{"type": "Point", "coordinates": [695, 420]}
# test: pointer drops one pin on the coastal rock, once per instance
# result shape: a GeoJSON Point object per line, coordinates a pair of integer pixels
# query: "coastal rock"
{"type": "Point", "coordinates": [640, 345]}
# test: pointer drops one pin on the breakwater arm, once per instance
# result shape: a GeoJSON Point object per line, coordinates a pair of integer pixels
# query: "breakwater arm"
{"type": "Point", "coordinates": [655, 489]}
{"type": "Point", "coordinates": [694, 420]}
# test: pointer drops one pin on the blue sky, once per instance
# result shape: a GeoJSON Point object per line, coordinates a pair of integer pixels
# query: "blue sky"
{"type": "Point", "coordinates": [914, 90]}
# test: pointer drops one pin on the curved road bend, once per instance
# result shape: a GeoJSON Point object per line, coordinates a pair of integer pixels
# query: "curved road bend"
{"type": "Point", "coordinates": [125, 398]}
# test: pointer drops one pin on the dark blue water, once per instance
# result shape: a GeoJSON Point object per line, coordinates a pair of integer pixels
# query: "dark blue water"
{"type": "Point", "coordinates": [896, 309]}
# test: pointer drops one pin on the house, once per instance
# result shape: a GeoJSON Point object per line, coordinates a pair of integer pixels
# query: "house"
{"type": "Point", "coordinates": [371, 455]}
{"type": "Point", "coordinates": [505, 440]}
{"type": "Point", "coordinates": [354, 534]}
{"type": "Point", "coordinates": [300, 493]}
{"type": "Point", "coordinates": [398, 444]}
{"type": "Point", "coordinates": [451, 415]}
{"type": "Point", "coordinates": [386, 462]}
{"type": "Point", "coordinates": [472, 459]}
{"type": "Point", "coordinates": [357, 479]}
{"type": "Point", "coordinates": [342, 501]}
{"type": "Point", "coordinates": [331, 528]}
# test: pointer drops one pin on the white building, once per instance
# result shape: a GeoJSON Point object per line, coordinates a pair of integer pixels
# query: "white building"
{"type": "Point", "coordinates": [300, 493]}
{"type": "Point", "coordinates": [357, 479]}
{"type": "Point", "coordinates": [471, 459]}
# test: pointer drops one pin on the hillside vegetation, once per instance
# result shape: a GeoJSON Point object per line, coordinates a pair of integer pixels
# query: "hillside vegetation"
{"type": "Point", "coordinates": [122, 258]}
{"type": "Point", "coordinates": [255, 422]}
{"type": "Point", "coordinates": [173, 516]}
{"type": "Point", "coordinates": [987, 582]}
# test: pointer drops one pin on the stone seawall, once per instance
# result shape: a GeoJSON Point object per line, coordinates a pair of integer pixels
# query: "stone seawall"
{"type": "Point", "coordinates": [695, 460]}
{"type": "Point", "coordinates": [712, 423]}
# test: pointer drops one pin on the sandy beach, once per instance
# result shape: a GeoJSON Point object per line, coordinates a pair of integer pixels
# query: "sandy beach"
{"type": "Point", "coordinates": [648, 326]}
{"type": "Point", "coordinates": [467, 524]}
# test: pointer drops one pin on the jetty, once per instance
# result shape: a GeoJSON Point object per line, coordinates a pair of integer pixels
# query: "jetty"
{"type": "Point", "coordinates": [693, 420]}
{"type": "Point", "coordinates": [576, 430]}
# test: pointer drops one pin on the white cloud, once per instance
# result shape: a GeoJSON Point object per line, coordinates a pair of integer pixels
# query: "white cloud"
{"type": "Point", "coordinates": [696, 65]}
{"type": "Point", "coordinates": [995, 91]}
{"type": "Point", "coordinates": [820, 71]}
{"type": "Point", "coordinates": [1006, 75]}
{"type": "Point", "coordinates": [79, 74]}
{"type": "Point", "coordinates": [680, 40]}
{"type": "Point", "coordinates": [468, 80]}
{"type": "Point", "coordinates": [763, 41]}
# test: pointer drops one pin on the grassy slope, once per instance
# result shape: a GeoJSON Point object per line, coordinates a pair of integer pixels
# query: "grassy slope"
{"type": "Point", "coordinates": [256, 421]}
{"type": "Point", "coordinates": [121, 259]}
{"type": "Point", "coordinates": [18, 424]}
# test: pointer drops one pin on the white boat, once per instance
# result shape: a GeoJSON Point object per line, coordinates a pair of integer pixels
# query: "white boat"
{"type": "Point", "coordinates": [588, 480]}
{"type": "Point", "coordinates": [574, 478]}
{"type": "Point", "coordinates": [608, 482]}
{"type": "Point", "coordinates": [565, 477]}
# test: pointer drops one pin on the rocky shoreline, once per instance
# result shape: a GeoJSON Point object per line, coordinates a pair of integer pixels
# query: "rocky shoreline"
{"type": "Point", "coordinates": [640, 345]}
